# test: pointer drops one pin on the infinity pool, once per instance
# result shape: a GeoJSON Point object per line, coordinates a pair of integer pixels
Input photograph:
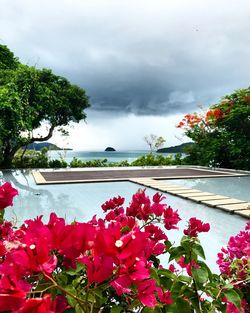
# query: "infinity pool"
{"type": "Point", "coordinates": [233, 187]}
{"type": "Point", "coordinates": [82, 201]}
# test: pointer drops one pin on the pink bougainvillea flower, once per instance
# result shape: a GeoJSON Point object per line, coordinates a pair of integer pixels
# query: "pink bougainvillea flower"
{"type": "Point", "coordinates": [60, 304]}
{"type": "Point", "coordinates": [231, 308]}
{"type": "Point", "coordinates": [113, 203]}
{"type": "Point", "coordinates": [112, 215]}
{"type": "Point", "coordinates": [164, 297]}
{"type": "Point", "coordinates": [196, 226]}
{"type": "Point", "coordinates": [12, 295]}
{"type": "Point", "coordinates": [99, 268]}
{"type": "Point", "coordinates": [7, 193]}
{"type": "Point", "coordinates": [77, 239]}
{"type": "Point", "coordinates": [121, 285]}
{"type": "Point", "coordinates": [37, 305]}
{"type": "Point", "coordinates": [155, 232]}
{"type": "Point", "coordinates": [187, 266]}
{"type": "Point", "coordinates": [171, 218]}
{"type": "Point", "coordinates": [235, 259]}
{"type": "Point", "coordinates": [146, 292]}
{"type": "Point", "coordinates": [140, 206]}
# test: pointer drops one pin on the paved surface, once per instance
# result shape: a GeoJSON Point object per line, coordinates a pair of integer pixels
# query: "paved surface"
{"type": "Point", "coordinates": [102, 175]}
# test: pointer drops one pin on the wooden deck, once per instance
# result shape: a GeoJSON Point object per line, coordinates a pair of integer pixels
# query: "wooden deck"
{"type": "Point", "coordinates": [77, 176]}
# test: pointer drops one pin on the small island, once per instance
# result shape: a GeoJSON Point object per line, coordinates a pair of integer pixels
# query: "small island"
{"type": "Point", "coordinates": [109, 149]}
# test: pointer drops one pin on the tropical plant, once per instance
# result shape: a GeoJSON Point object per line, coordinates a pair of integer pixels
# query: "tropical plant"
{"type": "Point", "coordinates": [112, 264]}
{"type": "Point", "coordinates": [221, 136]}
{"type": "Point", "coordinates": [31, 98]}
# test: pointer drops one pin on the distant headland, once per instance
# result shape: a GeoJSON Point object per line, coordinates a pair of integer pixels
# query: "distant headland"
{"type": "Point", "coordinates": [176, 149]}
{"type": "Point", "coordinates": [40, 145]}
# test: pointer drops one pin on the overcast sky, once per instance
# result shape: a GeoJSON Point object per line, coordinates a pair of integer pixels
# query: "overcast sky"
{"type": "Point", "coordinates": [144, 63]}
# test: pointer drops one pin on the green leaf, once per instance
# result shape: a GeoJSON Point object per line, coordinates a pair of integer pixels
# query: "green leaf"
{"type": "Point", "coordinates": [185, 279]}
{"type": "Point", "coordinates": [176, 253]}
{"type": "Point", "coordinates": [183, 306]}
{"type": "Point", "coordinates": [212, 277]}
{"type": "Point", "coordinates": [166, 282]}
{"type": "Point", "coordinates": [176, 288]}
{"type": "Point", "coordinates": [116, 309]}
{"type": "Point", "coordinates": [233, 297]}
{"type": "Point", "coordinates": [200, 275]}
{"type": "Point", "coordinates": [166, 273]}
{"type": "Point", "coordinates": [71, 299]}
{"type": "Point", "coordinates": [154, 274]}
{"type": "Point", "coordinates": [197, 248]}
{"type": "Point", "coordinates": [148, 310]}
{"type": "Point", "coordinates": [78, 308]}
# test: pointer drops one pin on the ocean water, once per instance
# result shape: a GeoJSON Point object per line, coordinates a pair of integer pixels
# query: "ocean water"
{"type": "Point", "coordinates": [111, 156]}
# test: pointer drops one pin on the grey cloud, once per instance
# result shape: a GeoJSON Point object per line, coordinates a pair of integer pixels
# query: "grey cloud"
{"type": "Point", "coordinates": [136, 57]}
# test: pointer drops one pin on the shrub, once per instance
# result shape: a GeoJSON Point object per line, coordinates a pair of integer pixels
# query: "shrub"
{"type": "Point", "coordinates": [112, 264]}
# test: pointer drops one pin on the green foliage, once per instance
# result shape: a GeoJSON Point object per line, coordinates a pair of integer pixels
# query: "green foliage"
{"type": "Point", "coordinates": [39, 159]}
{"type": "Point", "coordinates": [222, 136]}
{"type": "Point", "coordinates": [93, 163]}
{"type": "Point", "coordinates": [36, 159]}
{"type": "Point", "coordinates": [29, 98]}
{"type": "Point", "coordinates": [57, 164]}
{"type": "Point", "coordinates": [7, 59]}
{"type": "Point", "coordinates": [157, 160]}
{"type": "Point", "coordinates": [31, 159]}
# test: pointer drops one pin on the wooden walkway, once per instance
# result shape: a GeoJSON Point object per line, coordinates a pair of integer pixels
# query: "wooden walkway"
{"type": "Point", "coordinates": [230, 205]}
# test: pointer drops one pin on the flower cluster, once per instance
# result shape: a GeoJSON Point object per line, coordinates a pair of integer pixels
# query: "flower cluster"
{"type": "Point", "coordinates": [196, 226]}
{"type": "Point", "coordinates": [234, 260]}
{"type": "Point", "coordinates": [7, 193]}
{"type": "Point", "coordinates": [116, 250]}
{"type": "Point", "coordinates": [190, 120]}
{"type": "Point", "coordinates": [110, 263]}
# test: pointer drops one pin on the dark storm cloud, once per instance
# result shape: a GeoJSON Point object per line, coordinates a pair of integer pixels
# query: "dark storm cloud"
{"type": "Point", "coordinates": [138, 57]}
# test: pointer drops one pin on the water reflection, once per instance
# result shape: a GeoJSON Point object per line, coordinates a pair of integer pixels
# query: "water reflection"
{"type": "Point", "coordinates": [82, 201]}
{"type": "Point", "coordinates": [234, 187]}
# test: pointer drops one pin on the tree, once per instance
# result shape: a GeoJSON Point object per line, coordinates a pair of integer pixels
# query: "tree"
{"type": "Point", "coordinates": [154, 142]}
{"type": "Point", "coordinates": [30, 98]}
{"type": "Point", "coordinates": [221, 136]}
{"type": "Point", "coordinates": [7, 59]}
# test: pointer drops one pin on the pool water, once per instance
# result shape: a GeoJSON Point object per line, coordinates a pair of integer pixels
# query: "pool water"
{"type": "Point", "coordinates": [233, 187]}
{"type": "Point", "coordinates": [82, 201]}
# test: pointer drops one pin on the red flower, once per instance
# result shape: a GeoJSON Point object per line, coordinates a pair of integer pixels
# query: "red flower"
{"type": "Point", "coordinates": [113, 203]}
{"type": "Point", "coordinates": [171, 218]}
{"type": "Point", "coordinates": [146, 290]}
{"type": "Point", "coordinates": [7, 193]}
{"type": "Point", "coordinates": [187, 266]}
{"type": "Point", "coordinates": [99, 268]}
{"type": "Point", "coordinates": [12, 296]}
{"type": "Point", "coordinates": [140, 206]}
{"type": "Point", "coordinates": [37, 305]}
{"type": "Point", "coordinates": [164, 297]}
{"type": "Point", "coordinates": [196, 226]}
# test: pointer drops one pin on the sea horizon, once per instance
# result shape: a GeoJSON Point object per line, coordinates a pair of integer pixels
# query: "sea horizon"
{"type": "Point", "coordinates": [111, 156]}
